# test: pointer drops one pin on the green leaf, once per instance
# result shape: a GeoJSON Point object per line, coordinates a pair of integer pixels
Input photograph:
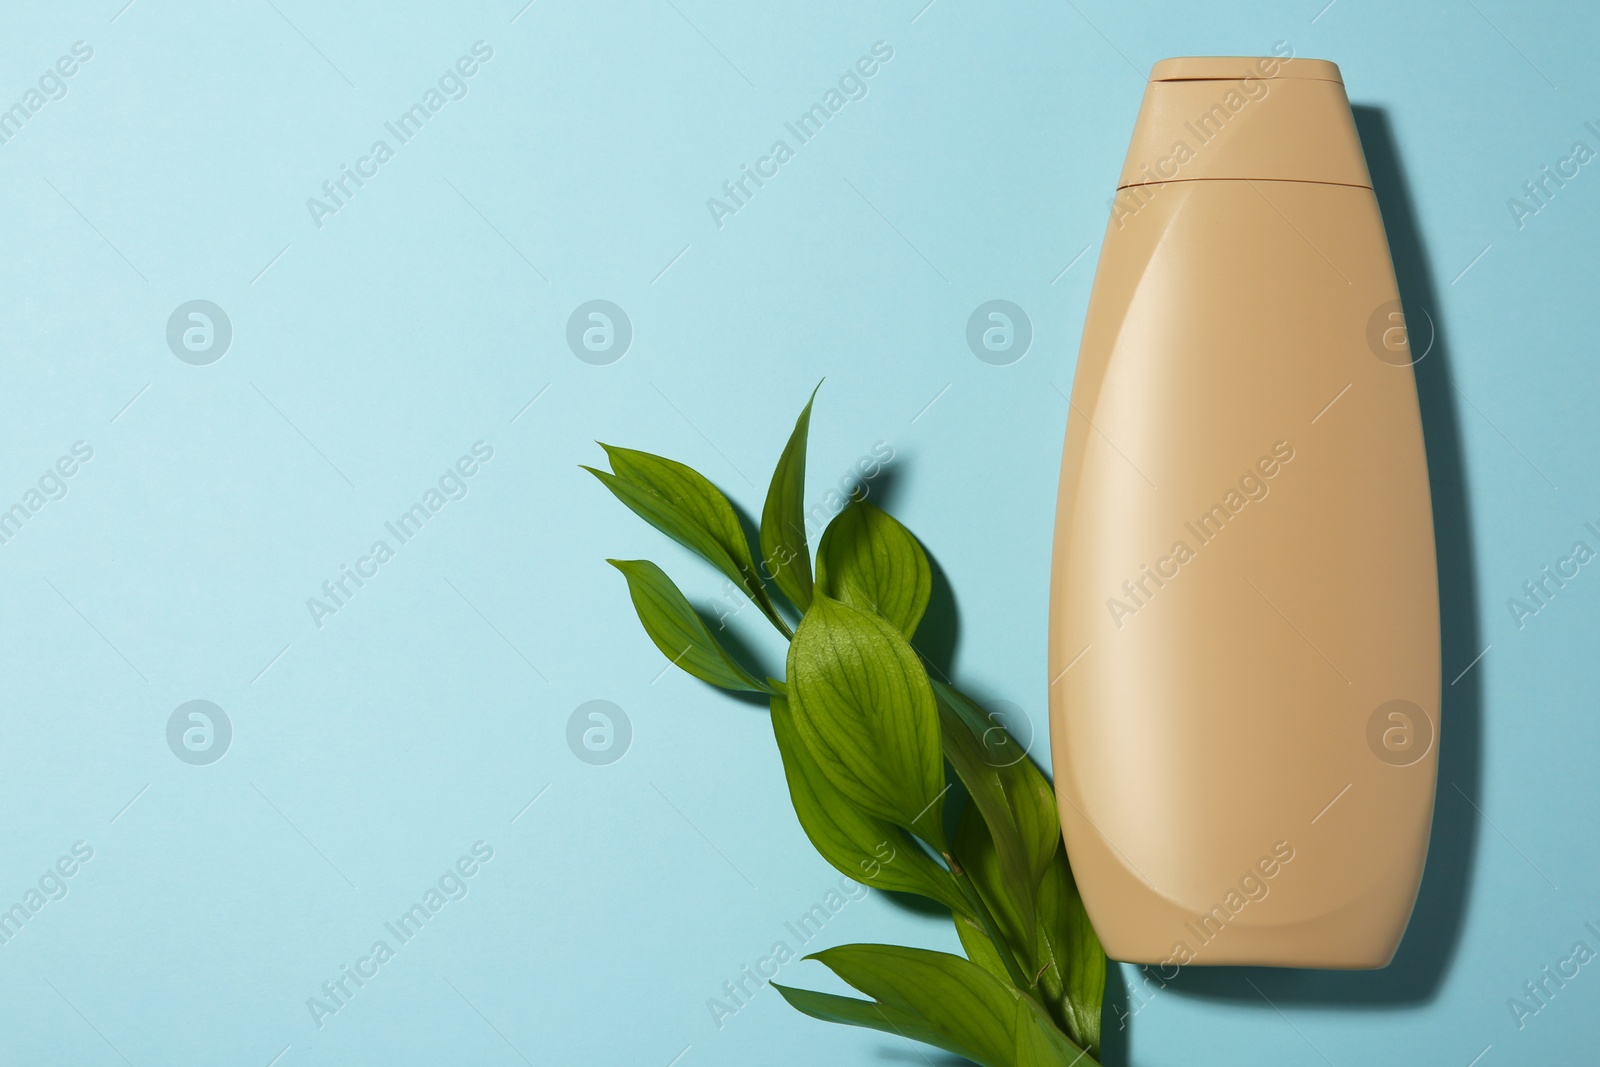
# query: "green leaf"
{"type": "Point", "coordinates": [950, 995]}
{"type": "Point", "coordinates": [1063, 952]}
{"type": "Point", "coordinates": [974, 847]}
{"type": "Point", "coordinates": [870, 561]}
{"type": "Point", "coordinates": [831, 1008]}
{"type": "Point", "coordinates": [678, 631]}
{"type": "Point", "coordinates": [1072, 950]}
{"type": "Point", "coordinates": [976, 944]}
{"type": "Point", "coordinates": [873, 851]}
{"type": "Point", "coordinates": [1016, 802]}
{"type": "Point", "coordinates": [1040, 1044]}
{"type": "Point", "coordinates": [681, 503]}
{"type": "Point", "coordinates": [940, 1000]}
{"type": "Point", "coordinates": [863, 707]}
{"type": "Point", "coordinates": [784, 551]}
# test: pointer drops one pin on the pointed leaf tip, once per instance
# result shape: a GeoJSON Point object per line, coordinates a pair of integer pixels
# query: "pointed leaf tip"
{"type": "Point", "coordinates": [683, 504]}
{"type": "Point", "coordinates": [869, 560]}
{"type": "Point", "coordinates": [785, 552]}
{"type": "Point", "coordinates": [679, 631]}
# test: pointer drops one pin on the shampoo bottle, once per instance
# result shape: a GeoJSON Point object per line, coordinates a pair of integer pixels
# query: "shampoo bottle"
{"type": "Point", "coordinates": [1244, 631]}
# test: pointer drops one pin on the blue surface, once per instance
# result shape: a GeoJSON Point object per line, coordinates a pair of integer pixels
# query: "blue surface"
{"type": "Point", "coordinates": [371, 753]}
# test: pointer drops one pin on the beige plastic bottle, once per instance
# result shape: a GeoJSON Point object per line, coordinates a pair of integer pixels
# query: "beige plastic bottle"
{"type": "Point", "coordinates": [1244, 630]}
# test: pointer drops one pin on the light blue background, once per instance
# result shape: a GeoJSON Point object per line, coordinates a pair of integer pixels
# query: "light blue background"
{"type": "Point", "coordinates": [369, 354]}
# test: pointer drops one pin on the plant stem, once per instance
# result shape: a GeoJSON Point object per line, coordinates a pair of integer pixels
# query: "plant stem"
{"type": "Point", "coordinates": [969, 889]}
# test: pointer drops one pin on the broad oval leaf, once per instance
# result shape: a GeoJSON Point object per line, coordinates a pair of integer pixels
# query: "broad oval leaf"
{"type": "Point", "coordinates": [873, 851]}
{"type": "Point", "coordinates": [832, 1008]}
{"type": "Point", "coordinates": [683, 504]}
{"type": "Point", "coordinates": [950, 995]}
{"type": "Point", "coordinates": [863, 707]}
{"type": "Point", "coordinates": [977, 1035]}
{"type": "Point", "coordinates": [1015, 800]}
{"type": "Point", "coordinates": [678, 631]}
{"type": "Point", "coordinates": [785, 554]}
{"type": "Point", "coordinates": [870, 561]}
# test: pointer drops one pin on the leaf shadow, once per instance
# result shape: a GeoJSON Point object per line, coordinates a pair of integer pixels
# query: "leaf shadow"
{"type": "Point", "coordinates": [939, 634]}
{"type": "Point", "coordinates": [743, 646]}
{"type": "Point", "coordinates": [743, 649]}
{"type": "Point", "coordinates": [751, 527]}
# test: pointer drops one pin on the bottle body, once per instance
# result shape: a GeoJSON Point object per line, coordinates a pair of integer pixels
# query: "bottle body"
{"type": "Point", "coordinates": [1244, 646]}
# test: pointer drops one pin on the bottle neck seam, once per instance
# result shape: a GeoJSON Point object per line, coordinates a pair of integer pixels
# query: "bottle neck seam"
{"type": "Point", "coordinates": [1295, 181]}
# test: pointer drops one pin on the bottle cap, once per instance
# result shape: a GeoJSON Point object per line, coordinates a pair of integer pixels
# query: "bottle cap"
{"type": "Point", "coordinates": [1239, 117]}
{"type": "Point", "coordinates": [1234, 68]}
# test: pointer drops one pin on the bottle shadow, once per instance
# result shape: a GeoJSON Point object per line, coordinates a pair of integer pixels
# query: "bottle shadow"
{"type": "Point", "coordinates": [1430, 941]}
